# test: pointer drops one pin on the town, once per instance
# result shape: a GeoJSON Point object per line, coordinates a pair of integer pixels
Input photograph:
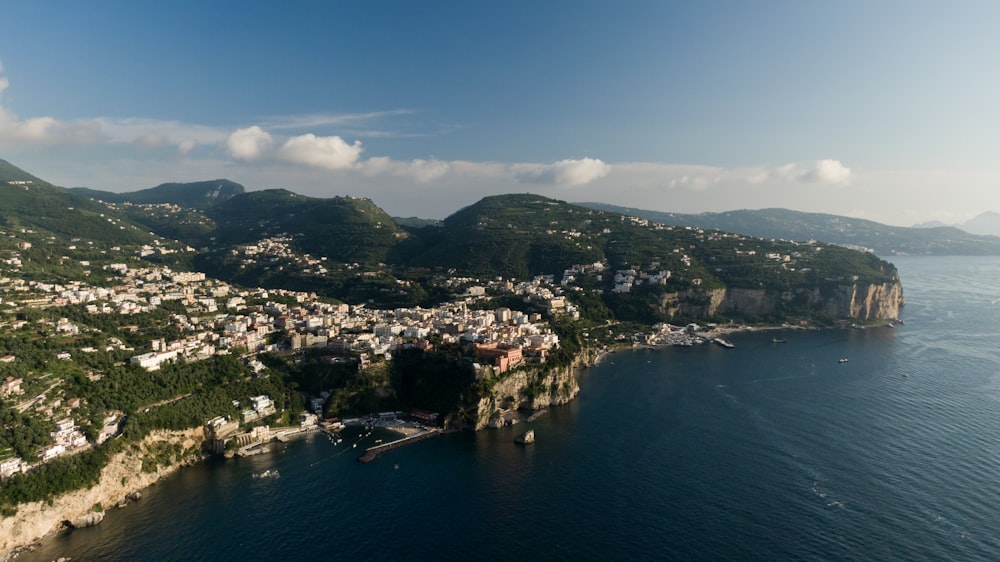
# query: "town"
{"type": "Point", "coordinates": [506, 323]}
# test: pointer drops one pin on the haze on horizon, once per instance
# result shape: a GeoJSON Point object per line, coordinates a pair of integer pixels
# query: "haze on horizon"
{"type": "Point", "coordinates": [883, 111]}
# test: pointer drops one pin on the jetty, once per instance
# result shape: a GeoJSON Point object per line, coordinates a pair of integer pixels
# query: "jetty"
{"type": "Point", "coordinates": [372, 453]}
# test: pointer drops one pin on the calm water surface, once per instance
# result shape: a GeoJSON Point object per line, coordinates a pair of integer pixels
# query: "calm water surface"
{"type": "Point", "coordinates": [767, 452]}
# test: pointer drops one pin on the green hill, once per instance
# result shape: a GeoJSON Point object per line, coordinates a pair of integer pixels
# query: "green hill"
{"type": "Point", "coordinates": [345, 229]}
{"type": "Point", "coordinates": [10, 172]}
{"type": "Point", "coordinates": [523, 235]}
{"type": "Point", "coordinates": [27, 202]}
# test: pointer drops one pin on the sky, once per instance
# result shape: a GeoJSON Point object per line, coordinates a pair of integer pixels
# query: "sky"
{"type": "Point", "coordinates": [877, 109]}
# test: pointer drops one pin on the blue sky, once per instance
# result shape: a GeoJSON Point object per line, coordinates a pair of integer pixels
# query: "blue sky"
{"type": "Point", "coordinates": [877, 109]}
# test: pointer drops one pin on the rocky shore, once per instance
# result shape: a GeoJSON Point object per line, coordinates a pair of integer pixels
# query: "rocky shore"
{"type": "Point", "coordinates": [121, 481]}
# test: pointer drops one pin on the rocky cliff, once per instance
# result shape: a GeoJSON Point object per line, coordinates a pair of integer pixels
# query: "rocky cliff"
{"type": "Point", "coordinates": [120, 479]}
{"type": "Point", "coordinates": [528, 389]}
{"type": "Point", "coordinates": [857, 301]}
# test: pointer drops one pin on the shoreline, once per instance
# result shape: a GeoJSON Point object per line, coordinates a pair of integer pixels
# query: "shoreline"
{"type": "Point", "coordinates": [38, 521]}
{"type": "Point", "coordinates": [121, 478]}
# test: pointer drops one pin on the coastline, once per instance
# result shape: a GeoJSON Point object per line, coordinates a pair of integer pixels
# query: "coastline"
{"type": "Point", "coordinates": [122, 477]}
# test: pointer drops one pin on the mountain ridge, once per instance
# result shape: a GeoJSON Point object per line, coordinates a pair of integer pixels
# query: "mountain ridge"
{"type": "Point", "coordinates": [851, 232]}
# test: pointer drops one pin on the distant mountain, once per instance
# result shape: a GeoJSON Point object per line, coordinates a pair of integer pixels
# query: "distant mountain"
{"type": "Point", "coordinates": [987, 223]}
{"type": "Point", "coordinates": [784, 224]}
{"type": "Point", "coordinates": [193, 195]}
{"type": "Point", "coordinates": [931, 224]}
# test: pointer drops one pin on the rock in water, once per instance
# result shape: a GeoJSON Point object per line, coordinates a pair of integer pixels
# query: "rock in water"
{"type": "Point", "coordinates": [526, 438]}
{"type": "Point", "coordinates": [88, 520]}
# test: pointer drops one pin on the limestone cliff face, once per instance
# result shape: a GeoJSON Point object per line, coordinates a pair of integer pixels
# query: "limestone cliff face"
{"type": "Point", "coordinates": [122, 477]}
{"type": "Point", "coordinates": [529, 389]}
{"type": "Point", "coordinates": [872, 301]}
{"type": "Point", "coordinates": [857, 301]}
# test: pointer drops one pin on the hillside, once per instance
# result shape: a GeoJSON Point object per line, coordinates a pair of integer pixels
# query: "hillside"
{"type": "Point", "coordinates": [523, 235]}
{"type": "Point", "coordinates": [29, 203]}
{"type": "Point", "coordinates": [794, 225]}
{"type": "Point", "coordinates": [350, 249]}
{"type": "Point", "coordinates": [218, 214]}
{"type": "Point", "coordinates": [10, 172]}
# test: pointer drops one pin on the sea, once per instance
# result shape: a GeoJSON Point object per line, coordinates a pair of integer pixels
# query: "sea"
{"type": "Point", "coordinates": [768, 451]}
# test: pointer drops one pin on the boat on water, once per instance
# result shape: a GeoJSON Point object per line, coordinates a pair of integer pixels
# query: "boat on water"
{"type": "Point", "coordinates": [842, 360]}
{"type": "Point", "coordinates": [778, 340]}
{"type": "Point", "coordinates": [269, 473]}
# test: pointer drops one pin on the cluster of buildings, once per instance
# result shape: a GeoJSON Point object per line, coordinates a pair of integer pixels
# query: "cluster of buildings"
{"type": "Point", "coordinates": [221, 319]}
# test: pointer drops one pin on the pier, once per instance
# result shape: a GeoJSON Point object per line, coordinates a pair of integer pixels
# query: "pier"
{"type": "Point", "coordinates": [372, 453]}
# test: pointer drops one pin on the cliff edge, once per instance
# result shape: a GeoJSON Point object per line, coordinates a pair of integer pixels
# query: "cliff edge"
{"type": "Point", "coordinates": [122, 477]}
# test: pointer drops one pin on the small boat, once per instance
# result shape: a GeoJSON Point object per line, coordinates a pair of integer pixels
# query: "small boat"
{"type": "Point", "coordinates": [842, 360]}
{"type": "Point", "coordinates": [778, 340]}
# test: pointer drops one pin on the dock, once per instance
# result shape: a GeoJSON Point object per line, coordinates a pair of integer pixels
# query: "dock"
{"type": "Point", "coordinates": [372, 453]}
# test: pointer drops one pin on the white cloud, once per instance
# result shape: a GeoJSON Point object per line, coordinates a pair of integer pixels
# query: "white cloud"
{"type": "Point", "coordinates": [332, 153]}
{"type": "Point", "coordinates": [249, 144]}
{"type": "Point", "coordinates": [563, 172]}
{"type": "Point", "coordinates": [822, 171]}
{"type": "Point", "coordinates": [325, 120]}
{"type": "Point", "coordinates": [423, 171]}
{"type": "Point", "coordinates": [829, 171]}
{"type": "Point", "coordinates": [14, 130]}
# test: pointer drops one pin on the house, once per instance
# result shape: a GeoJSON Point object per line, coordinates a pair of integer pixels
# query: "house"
{"type": "Point", "coordinates": [11, 466]}
{"type": "Point", "coordinates": [11, 385]}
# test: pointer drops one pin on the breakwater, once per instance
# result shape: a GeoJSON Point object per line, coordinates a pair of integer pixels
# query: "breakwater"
{"type": "Point", "coordinates": [372, 453]}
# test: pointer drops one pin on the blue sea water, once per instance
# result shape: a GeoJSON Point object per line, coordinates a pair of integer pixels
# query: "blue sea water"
{"type": "Point", "coordinates": [763, 452]}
